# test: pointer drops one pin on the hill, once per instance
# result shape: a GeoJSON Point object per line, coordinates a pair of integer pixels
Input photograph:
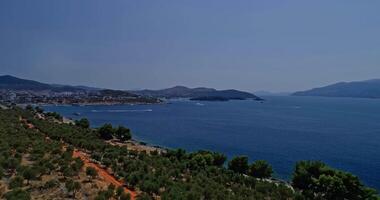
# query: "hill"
{"type": "Point", "coordinates": [357, 89]}
{"type": "Point", "coordinates": [14, 83]}
{"type": "Point", "coordinates": [23, 91]}
{"type": "Point", "coordinates": [8, 82]}
{"type": "Point", "coordinates": [195, 93]}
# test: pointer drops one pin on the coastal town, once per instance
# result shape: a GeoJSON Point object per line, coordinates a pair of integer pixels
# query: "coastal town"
{"type": "Point", "coordinates": [80, 97]}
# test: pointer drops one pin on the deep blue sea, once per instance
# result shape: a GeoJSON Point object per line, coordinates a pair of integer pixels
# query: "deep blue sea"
{"type": "Point", "coordinates": [343, 132]}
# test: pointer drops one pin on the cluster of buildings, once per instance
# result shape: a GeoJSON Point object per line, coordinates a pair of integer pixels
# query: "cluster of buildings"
{"type": "Point", "coordinates": [77, 97]}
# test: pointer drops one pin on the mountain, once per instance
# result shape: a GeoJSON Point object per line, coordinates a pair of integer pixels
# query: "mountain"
{"type": "Point", "coordinates": [8, 82]}
{"type": "Point", "coordinates": [14, 83]}
{"type": "Point", "coordinates": [268, 93]}
{"type": "Point", "coordinates": [357, 89]}
{"type": "Point", "coordinates": [195, 93]}
{"type": "Point", "coordinates": [22, 91]}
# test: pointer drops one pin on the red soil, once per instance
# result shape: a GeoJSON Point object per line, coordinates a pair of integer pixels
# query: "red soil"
{"type": "Point", "coordinates": [103, 173]}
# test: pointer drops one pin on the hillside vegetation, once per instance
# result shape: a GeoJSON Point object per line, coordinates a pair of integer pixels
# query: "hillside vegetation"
{"type": "Point", "coordinates": [37, 162]}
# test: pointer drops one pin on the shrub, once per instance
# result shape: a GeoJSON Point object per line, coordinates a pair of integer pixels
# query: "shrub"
{"type": "Point", "coordinates": [83, 123]}
{"type": "Point", "coordinates": [16, 182]}
{"type": "Point", "coordinates": [260, 169]}
{"type": "Point", "coordinates": [239, 164]}
{"type": "Point", "coordinates": [17, 194]}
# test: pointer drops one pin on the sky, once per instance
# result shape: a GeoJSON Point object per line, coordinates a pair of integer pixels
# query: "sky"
{"type": "Point", "coordinates": [283, 45]}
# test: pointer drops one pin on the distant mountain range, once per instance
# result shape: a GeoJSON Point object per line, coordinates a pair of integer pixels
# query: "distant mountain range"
{"type": "Point", "coordinates": [268, 93]}
{"type": "Point", "coordinates": [8, 82]}
{"type": "Point", "coordinates": [357, 89]}
{"type": "Point", "coordinates": [22, 91]}
{"type": "Point", "coordinates": [200, 93]}
{"type": "Point", "coordinates": [12, 83]}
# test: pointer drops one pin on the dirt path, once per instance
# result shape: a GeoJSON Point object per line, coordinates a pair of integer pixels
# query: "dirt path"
{"type": "Point", "coordinates": [87, 163]}
{"type": "Point", "coordinates": [103, 173]}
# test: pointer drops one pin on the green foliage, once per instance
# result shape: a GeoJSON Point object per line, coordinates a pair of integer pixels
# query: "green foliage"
{"type": "Point", "coordinates": [83, 123]}
{"type": "Point", "coordinates": [239, 164]}
{"type": "Point", "coordinates": [317, 180]}
{"type": "Point", "coordinates": [17, 194]}
{"type": "Point", "coordinates": [144, 196]}
{"type": "Point", "coordinates": [39, 110]}
{"type": "Point", "coordinates": [174, 174]}
{"type": "Point", "coordinates": [29, 107]}
{"type": "Point", "coordinates": [125, 196]}
{"type": "Point", "coordinates": [119, 191]}
{"type": "Point", "coordinates": [72, 186]}
{"type": "Point", "coordinates": [51, 184]}
{"type": "Point", "coordinates": [91, 172]}
{"type": "Point", "coordinates": [1, 173]}
{"type": "Point", "coordinates": [260, 169]}
{"type": "Point", "coordinates": [16, 182]}
{"type": "Point", "coordinates": [106, 132]}
{"type": "Point", "coordinates": [29, 174]}
{"type": "Point", "coordinates": [54, 115]}
{"type": "Point", "coordinates": [123, 133]}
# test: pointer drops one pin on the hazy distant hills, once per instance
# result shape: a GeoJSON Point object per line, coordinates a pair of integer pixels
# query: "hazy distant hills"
{"type": "Point", "coordinates": [12, 83]}
{"type": "Point", "coordinates": [358, 89]}
{"type": "Point", "coordinates": [197, 93]}
{"type": "Point", "coordinates": [8, 82]}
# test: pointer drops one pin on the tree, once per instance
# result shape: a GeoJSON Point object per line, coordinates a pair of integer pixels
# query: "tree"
{"type": "Point", "coordinates": [83, 123]}
{"type": "Point", "coordinates": [125, 196]}
{"type": "Point", "coordinates": [123, 133]}
{"type": "Point", "coordinates": [11, 164]}
{"type": "Point", "coordinates": [239, 164]}
{"type": "Point", "coordinates": [219, 159]}
{"type": "Point", "coordinates": [17, 194]}
{"type": "Point", "coordinates": [39, 109]}
{"type": "Point", "coordinates": [72, 186]}
{"type": "Point", "coordinates": [260, 169]}
{"type": "Point", "coordinates": [150, 186]}
{"type": "Point", "coordinates": [1, 172]}
{"type": "Point", "coordinates": [119, 191]}
{"type": "Point", "coordinates": [110, 190]}
{"type": "Point", "coordinates": [317, 180]}
{"type": "Point", "coordinates": [91, 172]}
{"type": "Point", "coordinates": [106, 131]}
{"type": "Point", "coordinates": [16, 182]}
{"type": "Point", "coordinates": [29, 174]}
{"type": "Point", "coordinates": [55, 115]}
{"type": "Point", "coordinates": [144, 196]}
{"type": "Point", "coordinates": [29, 107]}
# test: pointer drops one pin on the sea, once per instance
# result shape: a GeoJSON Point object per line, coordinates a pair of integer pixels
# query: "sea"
{"type": "Point", "coordinates": [342, 132]}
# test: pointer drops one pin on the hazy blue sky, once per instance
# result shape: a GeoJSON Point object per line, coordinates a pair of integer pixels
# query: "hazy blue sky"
{"type": "Point", "coordinates": [251, 45]}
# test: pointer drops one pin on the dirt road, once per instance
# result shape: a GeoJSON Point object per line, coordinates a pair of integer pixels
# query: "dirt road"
{"type": "Point", "coordinates": [102, 172]}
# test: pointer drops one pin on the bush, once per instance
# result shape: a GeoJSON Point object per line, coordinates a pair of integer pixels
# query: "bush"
{"type": "Point", "coordinates": [239, 164]}
{"type": "Point", "coordinates": [17, 194]}
{"type": "Point", "coordinates": [83, 123]}
{"type": "Point", "coordinates": [317, 180]}
{"type": "Point", "coordinates": [260, 169]}
{"type": "Point", "coordinates": [16, 182]}
{"type": "Point", "coordinates": [125, 196]}
{"type": "Point", "coordinates": [123, 133]}
{"type": "Point", "coordinates": [144, 196]}
{"type": "Point", "coordinates": [106, 132]}
{"type": "Point", "coordinates": [1, 173]}
{"type": "Point", "coordinates": [90, 171]}
{"type": "Point", "coordinates": [29, 174]}
{"type": "Point", "coordinates": [51, 184]}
